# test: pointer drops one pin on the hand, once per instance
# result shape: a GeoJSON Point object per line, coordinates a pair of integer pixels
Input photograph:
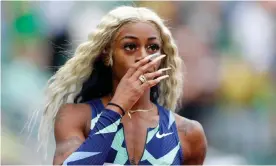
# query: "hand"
{"type": "Point", "coordinates": [131, 88]}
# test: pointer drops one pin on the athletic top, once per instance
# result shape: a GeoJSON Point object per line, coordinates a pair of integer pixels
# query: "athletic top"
{"type": "Point", "coordinates": [162, 142]}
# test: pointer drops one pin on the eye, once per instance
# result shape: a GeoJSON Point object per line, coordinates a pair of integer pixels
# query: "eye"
{"type": "Point", "coordinates": [154, 47]}
{"type": "Point", "coordinates": [130, 47]}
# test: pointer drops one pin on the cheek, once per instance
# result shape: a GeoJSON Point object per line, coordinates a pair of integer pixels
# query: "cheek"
{"type": "Point", "coordinates": [123, 60]}
{"type": "Point", "coordinates": [121, 63]}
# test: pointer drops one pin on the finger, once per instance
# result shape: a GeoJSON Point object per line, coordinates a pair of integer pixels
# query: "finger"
{"type": "Point", "coordinates": [140, 63]}
{"type": "Point", "coordinates": [141, 70]}
{"type": "Point", "coordinates": [162, 78]}
{"type": "Point", "coordinates": [153, 56]}
{"type": "Point", "coordinates": [152, 83]}
{"type": "Point", "coordinates": [150, 76]}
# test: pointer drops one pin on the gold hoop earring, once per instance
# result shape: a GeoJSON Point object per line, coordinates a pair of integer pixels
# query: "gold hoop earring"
{"type": "Point", "coordinates": [108, 60]}
{"type": "Point", "coordinates": [105, 51]}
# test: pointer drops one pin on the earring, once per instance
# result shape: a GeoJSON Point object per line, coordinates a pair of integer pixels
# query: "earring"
{"type": "Point", "coordinates": [105, 51]}
{"type": "Point", "coordinates": [108, 59]}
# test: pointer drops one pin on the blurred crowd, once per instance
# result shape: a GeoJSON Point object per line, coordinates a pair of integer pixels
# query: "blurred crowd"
{"type": "Point", "coordinates": [229, 51]}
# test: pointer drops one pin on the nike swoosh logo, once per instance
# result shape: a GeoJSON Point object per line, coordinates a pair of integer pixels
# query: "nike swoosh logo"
{"type": "Point", "coordinates": [162, 135]}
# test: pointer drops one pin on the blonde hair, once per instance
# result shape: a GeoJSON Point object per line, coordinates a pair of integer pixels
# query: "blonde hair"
{"type": "Point", "coordinates": [66, 84]}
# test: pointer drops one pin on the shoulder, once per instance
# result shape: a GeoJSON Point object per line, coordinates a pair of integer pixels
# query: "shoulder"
{"type": "Point", "coordinates": [192, 138]}
{"type": "Point", "coordinates": [70, 129]}
{"type": "Point", "coordinates": [72, 117]}
{"type": "Point", "coordinates": [188, 127]}
{"type": "Point", "coordinates": [73, 111]}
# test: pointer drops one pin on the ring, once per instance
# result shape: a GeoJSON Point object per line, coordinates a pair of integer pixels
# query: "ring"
{"type": "Point", "coordinates": [142, 78]}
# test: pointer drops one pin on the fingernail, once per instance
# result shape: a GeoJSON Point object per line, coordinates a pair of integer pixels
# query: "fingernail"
{"type": "Point", "coordinates": [153, 56]}
{"type": "Point", "coordinates": [163, 77]}
{"type": "Point", "coordinates": [165, 69]}
{"type": "Point", "coordinates": [160, 57]}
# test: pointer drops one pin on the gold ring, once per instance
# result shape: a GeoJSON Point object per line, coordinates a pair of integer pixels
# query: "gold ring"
{"type": "Point", "coordinates": [142, 78]}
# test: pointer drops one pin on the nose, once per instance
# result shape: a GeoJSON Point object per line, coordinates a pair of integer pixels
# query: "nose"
{"type": "Point", "coordinates": [142, 54]}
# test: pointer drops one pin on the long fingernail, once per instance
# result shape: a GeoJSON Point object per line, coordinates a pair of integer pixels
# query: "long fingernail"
{"type": "Point", "coordinates": [165, 69]}
{"type": "Point", "coordinates": [160, 57]}
{"type": "Point", "coordinates": [153, 56]}
{"type": "Point", "coordinates": [163, 77]}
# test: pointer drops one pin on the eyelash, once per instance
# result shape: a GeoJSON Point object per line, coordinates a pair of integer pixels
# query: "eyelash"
{"type": "Point", "coordinates": [154, 47]}
{"type": "Point", "coordinates": [130, 45]}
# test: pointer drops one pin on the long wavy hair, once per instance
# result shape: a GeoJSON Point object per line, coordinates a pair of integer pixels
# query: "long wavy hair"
{"type": "Point", "coordinates": [87, 74]}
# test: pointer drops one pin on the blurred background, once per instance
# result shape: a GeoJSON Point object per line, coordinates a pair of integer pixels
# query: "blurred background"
{"type": "Point", "coordinates": [229, 49]}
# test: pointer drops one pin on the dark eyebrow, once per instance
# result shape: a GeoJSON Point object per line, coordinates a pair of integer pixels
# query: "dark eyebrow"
{"type": "Point", "coordinates": [134, 37]}
{"type": "Point", "coordinates": [129, 37]}
{"type": "Point", "coordinates": [152, 38]}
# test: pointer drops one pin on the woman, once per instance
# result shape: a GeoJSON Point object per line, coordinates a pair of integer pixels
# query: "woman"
{"type": "Point", "coordinates": [124, 83]}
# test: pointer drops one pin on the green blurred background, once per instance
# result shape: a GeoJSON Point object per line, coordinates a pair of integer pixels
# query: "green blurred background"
{"type": "Point", "coordinates": [230, 80]}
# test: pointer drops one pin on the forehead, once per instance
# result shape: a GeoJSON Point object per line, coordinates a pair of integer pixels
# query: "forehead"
{"type": "Point", "coordinates": [139, 29]}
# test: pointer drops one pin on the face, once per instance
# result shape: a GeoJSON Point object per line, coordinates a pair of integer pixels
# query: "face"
{"type": "Point", "coordinates": [133, 42]}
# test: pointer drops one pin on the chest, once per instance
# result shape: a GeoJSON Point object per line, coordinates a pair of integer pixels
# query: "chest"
{"type": "Point", "coordinates": [135, 135]}
{"type": "Point", "coordinates": [139, 142]}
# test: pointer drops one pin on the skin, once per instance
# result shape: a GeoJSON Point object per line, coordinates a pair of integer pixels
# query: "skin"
{"type": "Point", "coordinates": [133, 42]}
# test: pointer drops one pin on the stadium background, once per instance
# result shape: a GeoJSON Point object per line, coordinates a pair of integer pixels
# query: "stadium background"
{"type": "Point", "coordinates": [228, 48]}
